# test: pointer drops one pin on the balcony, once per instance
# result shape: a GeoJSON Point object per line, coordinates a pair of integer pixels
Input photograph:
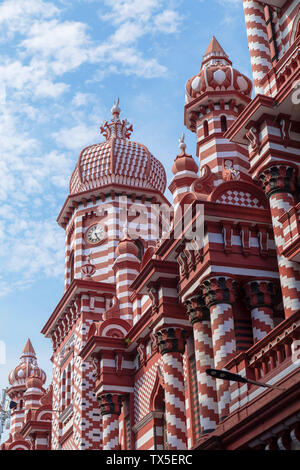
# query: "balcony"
{"type": "Point", "coordinates": [262, 418]}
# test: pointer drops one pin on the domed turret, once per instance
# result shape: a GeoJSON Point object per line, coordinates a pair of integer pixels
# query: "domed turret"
{"type": "Point", "coordinates": [27, 366]}
{"type": "Point", "coordinates": [215, 97]}
{"type": "Point", "coordinates": [217, 74]}
{"type": "Point", "coordinates": [117, 160]}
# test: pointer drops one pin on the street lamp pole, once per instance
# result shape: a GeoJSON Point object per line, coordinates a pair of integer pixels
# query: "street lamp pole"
{"type": "Point", "coordinates": [225, 375]}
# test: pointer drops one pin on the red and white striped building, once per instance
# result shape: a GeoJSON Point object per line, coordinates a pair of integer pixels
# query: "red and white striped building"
{"type": "Point", "coordinates": [156, 293]}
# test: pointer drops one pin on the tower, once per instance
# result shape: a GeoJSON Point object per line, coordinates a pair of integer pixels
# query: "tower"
{"type": "Point", "coordinates": [18, 380]}
{"type": "Point", "coordinates": [214, 99]}
{"type": "Point", "coordinates": [109, 223]}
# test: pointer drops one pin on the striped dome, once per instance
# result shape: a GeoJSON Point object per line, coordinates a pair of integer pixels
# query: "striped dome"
{"type": "Point", "coordinates": [26, 368]}
{"type": "Point", "coordinates": [117, 160]}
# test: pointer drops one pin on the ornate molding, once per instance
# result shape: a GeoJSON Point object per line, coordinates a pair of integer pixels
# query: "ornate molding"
{"type": "Point", "coordinates": [278, 178]}
{"type": "Point", "coordinates": [110, 403]}
{"type": "Point", "coordinates": [260, 293]}
{"type": "Point", "coordinates": [219, 289]}
{"type": "Point", "coordinates": [171, 340]}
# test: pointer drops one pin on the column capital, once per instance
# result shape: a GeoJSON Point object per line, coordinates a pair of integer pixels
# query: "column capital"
{"type": "Point", "coordinates": [110, 403]}
{"type": "Point", "coordinates": [278, 178]}
{"type": "Point", "coordinates": [171, 340]}
{"type": "Point", "coordinates": [219, 290]}
{"type": "Point", "coordinates": [261, 292]}
{"type": "Point", "coordinates": [197, 309]}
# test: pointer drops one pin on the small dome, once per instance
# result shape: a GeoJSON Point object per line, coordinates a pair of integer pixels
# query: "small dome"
{"type": "Point", "coordinates": [127, 246]}
{"type": "Point", "coordinates": [184, 162]}
{"type": "Point", "coordinates": [117, 160]}
{"type": "Point", "coordinates": [34, 382]}
{"type": "Point", "coordinates": [26, 368]}
{"type": "Point", "coordinates": [217, 74]}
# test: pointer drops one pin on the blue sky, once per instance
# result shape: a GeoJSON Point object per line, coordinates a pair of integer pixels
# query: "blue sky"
{"type": "Point", "coordinates": [62, 63]}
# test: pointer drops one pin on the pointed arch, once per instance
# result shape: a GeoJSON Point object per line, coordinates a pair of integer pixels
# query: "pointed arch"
{"type": "Point", "coordinates": [295, 33]}
{"type": "Point", "coordinates": [158, 386]}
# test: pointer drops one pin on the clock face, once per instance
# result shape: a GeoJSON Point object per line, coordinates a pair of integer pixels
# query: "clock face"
{"type": "Point", "coordinates": [95, 233]}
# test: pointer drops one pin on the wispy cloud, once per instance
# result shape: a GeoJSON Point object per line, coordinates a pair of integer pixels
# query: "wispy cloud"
{"type": "Point", "coordinates": [44, 122]}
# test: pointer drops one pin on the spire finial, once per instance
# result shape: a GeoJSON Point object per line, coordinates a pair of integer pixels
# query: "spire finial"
{"type": "Point", "coordinates": [115, 110]}
{"type": "Point", "coordinates": [28, 349]}
{"type": "Point", "coordinates": [182, 144]}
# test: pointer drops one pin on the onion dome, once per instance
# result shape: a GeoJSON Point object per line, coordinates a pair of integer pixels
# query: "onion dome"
{"type": "Point", "coordinates": [35, 381]}
{"type": "Point", "coordinates": [184, 162]}
{"type": "Point", "coordinates": [127, 246]}
{"type": "Point", "coordinates": [217, 74]}
{"type": "Point", "coordinates": [117, 160]}
{"type": "Point", "coordinates": [26, 368]}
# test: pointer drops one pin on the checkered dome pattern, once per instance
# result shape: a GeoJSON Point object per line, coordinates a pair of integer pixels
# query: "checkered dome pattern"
{"type": "Point", "coordinates": [117, 161]}
{"type": "Point", "coordinates": [239, 198]}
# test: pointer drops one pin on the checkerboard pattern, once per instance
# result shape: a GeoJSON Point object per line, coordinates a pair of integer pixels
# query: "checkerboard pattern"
{"type": "Point", "coordinates": [117, 160]}
{"type": "Point", "coordinates": [239, 198]}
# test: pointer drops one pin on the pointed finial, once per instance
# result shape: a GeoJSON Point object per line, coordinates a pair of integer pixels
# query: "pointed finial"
{"type": "Point", "coordinates": [29, 348]}
{"type": "Point", "coordinates": [125, 235]}
{"type": "Point", "coordinates": [182, 144]}
{"type": "Point", "coordinates": [115, 110]}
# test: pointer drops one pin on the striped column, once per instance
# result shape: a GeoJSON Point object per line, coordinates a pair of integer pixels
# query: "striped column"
{"type": "Point", "coordinates": [258, 41]}
{"type": "Point", "coordinates": [126, 268]}
{"type": "Point", "coordinates": [220, 294]}
{"type": "Point", "coordinates": [171, 345]}
{"type": "Point", "coordinates": [110, 407]}
{"type": "Point", "coordinates": [260, 296]}
{"type": "Point", "coordinates": [279, 183]}
{"type": "Point", "coordinates": [207, 396]}
{"type": "Point", "coordinates": [17, 414]}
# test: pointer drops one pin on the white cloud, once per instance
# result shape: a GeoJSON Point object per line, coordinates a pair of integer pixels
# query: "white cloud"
{"type": "Point", "coordinates": [124, 10]}
{"type": "Point", "coordinates": [63, 44]}
{"type": "Point", "coordinates": [35, 92]}
{"type": "Point", "coordinates": [167, 22]}
{"type": "Point", "coordinates": [81, 99]}
{"type": "Point", "coordinates": [17, 15]}
{"type": "Point", "coordinates": [77, 137]}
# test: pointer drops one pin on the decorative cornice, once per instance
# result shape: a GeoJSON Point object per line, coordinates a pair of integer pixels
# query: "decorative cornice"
{"type": "Point", "coordinates": [110, 403]}
{"type": "Point", "coordinates": [278, 178]}
{"type": "Point", "coordinates": [171, 340]}
{"type": "Point", "coordinates": [218, 290]}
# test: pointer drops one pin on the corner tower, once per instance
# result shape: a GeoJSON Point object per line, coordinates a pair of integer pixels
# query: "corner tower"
{"type": "Point", "coordinates": [112, 192]}
{"type": "Point", "coordinates": [214, 99]}
{"type": "Point", "coordinates": [18, 378]}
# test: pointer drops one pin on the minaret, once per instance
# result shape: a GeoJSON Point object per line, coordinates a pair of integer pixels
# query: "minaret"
{"type": "Point", "coordinates": [185, 172]}
{"type": "Point", "coordinates": [115, 183]}
{"type": "Point", "coordinates": [18, 380]}
{"type": "Point", "coordinates": [214, 99]}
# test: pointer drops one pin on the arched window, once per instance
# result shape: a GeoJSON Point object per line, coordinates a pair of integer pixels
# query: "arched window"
{"type": "Point", "coordinates": [223, 123]}
{"type": "Point", "coordinates": [205, 129]}
{"type": "Point", "coordinates": [63, 391]}
{"type": "Point", "coordinates": [68, 385]}
{"type": "Point", "coordinates": [161, 426]}
{"type": "Point", "coordinates": [72, 267]}
{"type": "Point", "coordinates": [141, 249]}
{"type": "Point", "coordinates": [297, 30]}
